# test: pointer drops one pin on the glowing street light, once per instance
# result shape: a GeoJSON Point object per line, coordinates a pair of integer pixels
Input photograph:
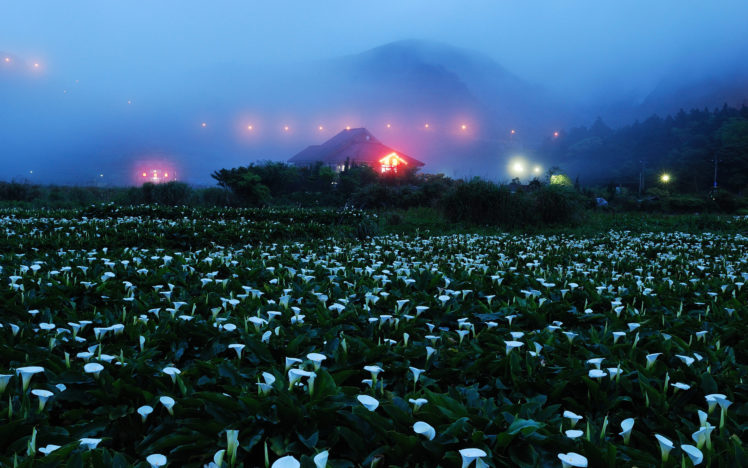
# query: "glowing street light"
{"type": "Point", "coordinates": [250, 128]}
{"type": "Point", "coordinates": [665, 178]}
{"type": "Point", "coordinates": [463, 126]}
{"type": "Point", "coordinates": [321, 128]}
{"type": "Point", "coordinates": [555, 134]}
{"type": "Point", "coordinates": [145, 175]}
{"type": "Point", "coordinates": [536, 170]}
{"type": "Point", "coordinates": [517, 167]}
{"type": "Point", "coordinates": [425, 125]}
{"type": "Point", "coordinates": [513, 132]}
{"type": "Point", "coordinates": [347, 127]}
{"type": "Point", "coordinates": [285, 128]}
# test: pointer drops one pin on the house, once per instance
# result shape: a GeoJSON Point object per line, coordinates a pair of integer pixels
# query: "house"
{"type": "Point", "coordinates": [353, 147]}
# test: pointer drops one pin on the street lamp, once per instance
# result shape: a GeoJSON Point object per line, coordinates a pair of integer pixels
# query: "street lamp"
{"type": "Point", "coordinates": [665, 178]}
{"type": "Point", "coordinates": [517, 167]}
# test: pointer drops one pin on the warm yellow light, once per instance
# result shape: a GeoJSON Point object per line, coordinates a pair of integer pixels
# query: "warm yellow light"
{"type": "Point", "coordinates": [518, 167]}
{"type": "Point", "coordinates": [665, 178]}
{"type": "Point", "coordinates": [249, 127]}
{"type": "Point", "coordinates": [536, 169]}
{"type": "Point", "coordinates": [347, 127]}
{"type": "Point", "coordinates": [513, 132]}
{"type": "Point", "coordinates": [426, 126]}
{"type": "Point", "coordinates": [166, 174]}
{"type": "Point", "coordinates": [145, 175]}
{"type": "Point", "coordinates": [463, 126]}
{"type": "Point", "coordinates": [285, 128]}
{"type": "Point", "coordinates": [321, 128]}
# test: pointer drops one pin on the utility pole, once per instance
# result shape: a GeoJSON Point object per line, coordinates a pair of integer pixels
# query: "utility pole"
{"type": "Point", "coordinates": [715, 170]}
{"type": "Point", "coordinates": [641, 176]}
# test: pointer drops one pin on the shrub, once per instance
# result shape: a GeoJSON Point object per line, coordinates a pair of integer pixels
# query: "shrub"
{"type": "Point", "coordinates": [557, 204]}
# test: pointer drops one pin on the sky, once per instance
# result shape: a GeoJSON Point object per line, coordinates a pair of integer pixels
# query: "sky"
{"type": "Point", "coordinates": [578, 40]}
{"type": "Point", "coordinates": [579, 49]}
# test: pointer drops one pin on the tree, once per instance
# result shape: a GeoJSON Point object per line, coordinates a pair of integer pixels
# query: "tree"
{"type": "Point", "coordinates": [244, 184]}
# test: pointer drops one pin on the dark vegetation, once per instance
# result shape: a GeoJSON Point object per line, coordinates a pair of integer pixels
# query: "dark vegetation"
{"type": "Point", "coordinates": [684, 145]}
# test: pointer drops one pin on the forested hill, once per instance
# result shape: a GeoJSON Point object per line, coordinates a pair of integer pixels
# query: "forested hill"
{"type": "Point", "coordinates": [683, 145]}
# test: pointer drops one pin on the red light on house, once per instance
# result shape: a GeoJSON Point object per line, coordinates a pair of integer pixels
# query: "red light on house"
{"type": "Point", "coordinates": [389, 163]}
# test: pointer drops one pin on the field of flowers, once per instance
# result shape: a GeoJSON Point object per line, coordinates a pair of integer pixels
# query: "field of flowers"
{"type": "Point", "coordinates": [152, 337]}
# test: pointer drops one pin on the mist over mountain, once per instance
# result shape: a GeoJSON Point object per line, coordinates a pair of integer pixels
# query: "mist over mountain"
{"type": "Point", "coordinates": [450, 107]}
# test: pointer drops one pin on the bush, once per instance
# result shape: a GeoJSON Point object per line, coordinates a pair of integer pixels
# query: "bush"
{"type": "Point", "coordinates": [15, 191]}
{"type": "Point", "coordinates": [687, 204]}
{"type": "Point", "coordinates": [557, 204]}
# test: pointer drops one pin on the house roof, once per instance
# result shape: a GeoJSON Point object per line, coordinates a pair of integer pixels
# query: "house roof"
{"type": "Point", "coordinates": [356, 145]}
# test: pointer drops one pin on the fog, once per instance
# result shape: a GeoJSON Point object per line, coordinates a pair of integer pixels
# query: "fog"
{"type": "Point", "coordinates": [98, 92]}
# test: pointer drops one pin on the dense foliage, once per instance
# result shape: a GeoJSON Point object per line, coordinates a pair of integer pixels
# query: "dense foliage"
{"type": "Point", "coordinates": [684, 145]}
{"type": "Point", "coordinates": [395, 351]}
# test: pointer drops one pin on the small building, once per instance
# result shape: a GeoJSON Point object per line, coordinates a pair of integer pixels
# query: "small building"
{"type": "Point", "coordinates": [355, 146]}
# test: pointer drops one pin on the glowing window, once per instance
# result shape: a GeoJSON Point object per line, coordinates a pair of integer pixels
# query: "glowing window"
{"type": "Point", "coordinates": [391, 162]}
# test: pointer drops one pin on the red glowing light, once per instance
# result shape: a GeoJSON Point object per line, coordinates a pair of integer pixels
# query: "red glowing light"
{"type": "Point", "coordinates": [155, 171]}
{"type": "Point", "coordinates": [390, 162]}
{"type": "Point", "coordinates": [555, 134]}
